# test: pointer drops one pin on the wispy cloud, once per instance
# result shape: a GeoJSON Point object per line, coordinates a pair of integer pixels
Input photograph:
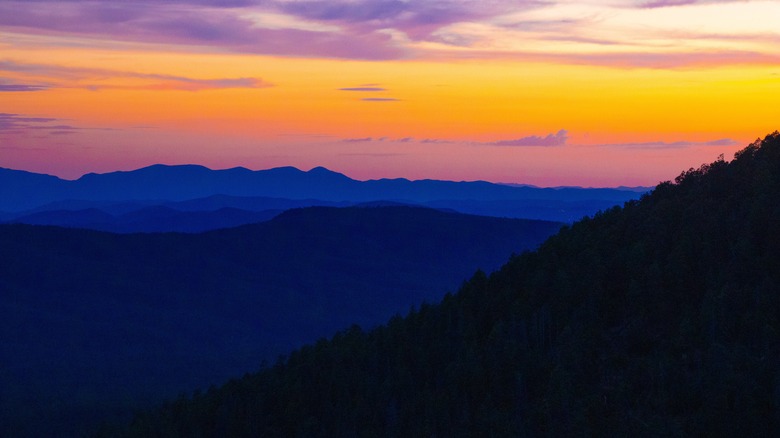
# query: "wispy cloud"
{"type": "Point", "coordinates": [191, 84]}
{"type": "Point", "coordinates": [618, 33]}
{"type": "Point", "coordinates": [370, 154]}
{"type": "Point", "coordinates": [417, 20]}
{"type": "Point", "coordinates": [666, 3]}
{"type": "Point", "coordinates": [17, 88]}
{"type": "Point", "coordinates": [153, 81]}
{"type": "Point", "coordinates": [674, 144]}
{"type": "Point", "coordinates": [236, 26]}
{"type": "Point", "coordinates": [720, 142]}
{"type": "Point", "coordinates": [368, 89]}
{"type": "Point", "coordinates": [20, 124]}
{"type": "Point", "coordinates": [16, 121]}
{"type": "Point", "coordinates": [436, 141]}
{"type": "Point", "coordinates": [379, 99]}
{"type": "Point", "coordinates": [558, 139]}
{"type": "Point", "coordinates": [378, 140]}
{"type": "Point", "coordinates": [358, 140]}
{"type": "Point", "coordinates": [356, 29]}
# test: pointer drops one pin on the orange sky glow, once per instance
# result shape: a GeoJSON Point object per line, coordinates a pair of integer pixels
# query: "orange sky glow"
{"type": "Point", "coordinates": [598, 93]}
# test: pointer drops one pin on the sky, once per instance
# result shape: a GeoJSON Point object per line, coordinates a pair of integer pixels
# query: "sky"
{"type": "Point", "coordinates": [590, 93]}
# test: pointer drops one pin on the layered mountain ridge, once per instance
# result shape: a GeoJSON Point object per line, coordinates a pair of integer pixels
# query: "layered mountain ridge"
{"type": "Point", "coordinates": [658, 318]}
{"type": "Point", "coordinates": [98, 324]}
{"type": "Point", "coordinates": [24, 193]}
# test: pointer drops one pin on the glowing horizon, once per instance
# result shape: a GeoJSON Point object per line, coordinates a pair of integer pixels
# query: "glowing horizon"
{"type": "Point", "coordinates": [598, 93]}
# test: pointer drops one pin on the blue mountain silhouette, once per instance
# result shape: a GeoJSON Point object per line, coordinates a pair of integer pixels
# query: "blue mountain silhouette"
{"type": "Point", "coordinates": [25, 192]}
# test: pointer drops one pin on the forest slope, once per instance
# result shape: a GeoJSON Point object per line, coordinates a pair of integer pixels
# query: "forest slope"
{"type": "Point", "coordinates": [660, 318]}
{"type": "Point", "coordinates": [95, 324]}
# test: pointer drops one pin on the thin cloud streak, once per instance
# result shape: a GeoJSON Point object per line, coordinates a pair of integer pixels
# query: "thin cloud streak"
{"type": "Point", "coordinates": [19, 124]}
{"type": "Point", "coordinates": [674, 144]}
{"type": "Point", "coordinates": [667, 3]}
{"type": "Point", "coordinates": [433, 29]}
{"type": "Point", "coordinates": [558, 139]}
{"type": "Point", "coordinates": [162, 81]}
{"type": "Point", "coordinates": [22, 125]}
{"type": "Point", "coordinates": [378, 140]}
{"type": "Point", "coordinates": [178, 24]}
{"type": "Point", "coordinates": [17, 88]}
{"type": "Point", "coordinates": [367, 89]}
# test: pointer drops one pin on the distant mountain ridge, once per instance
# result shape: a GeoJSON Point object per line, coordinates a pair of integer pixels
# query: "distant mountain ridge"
{"type": "Point", "coordinates": [155, 218]}
{"type": "Point", "coordinates": [191, 216]}
{"type": "Point", "coordinates": [21, 192]}
{"type": "Point", "coordinates": [660, 318]}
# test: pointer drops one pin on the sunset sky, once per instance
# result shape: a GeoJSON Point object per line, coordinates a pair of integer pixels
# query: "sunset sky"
{"type": "Point", "coordinates": [559, 92]}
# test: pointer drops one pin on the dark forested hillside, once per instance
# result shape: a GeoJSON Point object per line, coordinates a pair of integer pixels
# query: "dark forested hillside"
{"type": "Point", "coordinates": [660, 318]}
{"type": "Point", "coordinates": [94, 324]}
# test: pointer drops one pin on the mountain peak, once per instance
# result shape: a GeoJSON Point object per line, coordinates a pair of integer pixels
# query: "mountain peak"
{"type": "Point", "coordinates": [325, 172]}
{"type": "Point", "coordinates": [163, 182]}
{"type": "Point", "coordinates": [657, 318]}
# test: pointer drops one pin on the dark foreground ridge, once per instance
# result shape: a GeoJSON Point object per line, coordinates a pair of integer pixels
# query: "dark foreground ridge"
{"type": "Point", "coordinates": [660, 318]}
{"type": "Point", "coordinates": [95, 325]}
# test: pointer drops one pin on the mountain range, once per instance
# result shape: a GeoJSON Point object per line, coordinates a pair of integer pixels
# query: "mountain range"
{"type": "Point", "coordinates": [43, 199]}
{"type": "Point", "coordinates": [97, 324]}
{"type": "Point", "coordinates": [657, 318]}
